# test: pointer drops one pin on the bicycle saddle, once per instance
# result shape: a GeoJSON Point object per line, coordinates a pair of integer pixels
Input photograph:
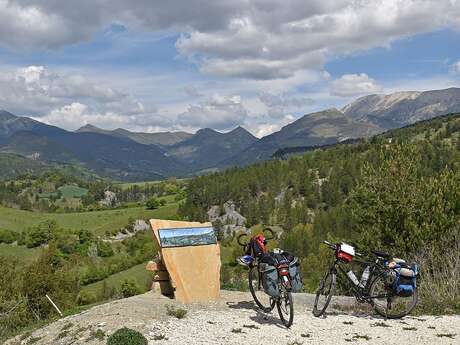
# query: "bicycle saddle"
{"type": "Point", "coordinates": [380, 254]}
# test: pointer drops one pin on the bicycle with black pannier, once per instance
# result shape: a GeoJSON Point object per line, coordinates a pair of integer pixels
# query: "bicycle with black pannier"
{"type": "Point", "coordinates": [272, 276]}
{"type": "Point", "coordinates": [388, 284]}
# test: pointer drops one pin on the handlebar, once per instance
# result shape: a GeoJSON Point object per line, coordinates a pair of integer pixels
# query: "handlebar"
{"type": "Point", "coordinates": [330, 245]}
{"type": "Point", "coordinates": [238, 239]}
{"type": "Point", "coordinates": [336, 246]}
{"type": "Point", "coordinates": [271, 234]}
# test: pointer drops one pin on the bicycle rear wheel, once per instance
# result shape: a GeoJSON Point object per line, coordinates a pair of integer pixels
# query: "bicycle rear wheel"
{"type": "Point", "coordinates": [324, 293]}
{"type": "Point", "coordinates": [285, 308]}
{"type": "Point", "coordinates": [386, 303]}
{"type": "Point", "coordinates": [263, 301]}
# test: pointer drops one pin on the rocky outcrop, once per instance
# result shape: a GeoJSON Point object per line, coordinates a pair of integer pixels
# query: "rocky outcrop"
{"type": "Point", "coordinates": [138, 225]}
{"type": "Point", "coordinates": [227, 219]}
{"type": "Point", "coordinates": [110, 199]}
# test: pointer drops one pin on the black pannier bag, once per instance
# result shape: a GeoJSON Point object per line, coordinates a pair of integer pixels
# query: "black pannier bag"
{"type": "Point", "coordinates": [270, 279]}
{"type": "Point", "coordinates": [294, 272]}
{"type": "Point", "coordinates": [270, 262]}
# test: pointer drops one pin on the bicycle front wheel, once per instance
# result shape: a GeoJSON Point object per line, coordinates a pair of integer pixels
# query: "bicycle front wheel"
{"type": "Point", "coordinates": [386, 303]}
{"type": "Point", "coordinates": [263, 301]}
{"type": "Point", "coordinates": [324, 293]}
{"type": "Point", "coordinates": [285, 308]}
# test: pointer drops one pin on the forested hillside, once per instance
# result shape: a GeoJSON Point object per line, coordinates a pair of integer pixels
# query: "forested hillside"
{"type": "Point", "coordinates": [398, 191]}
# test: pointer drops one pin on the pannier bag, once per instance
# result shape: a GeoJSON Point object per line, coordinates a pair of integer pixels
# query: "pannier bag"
{"type": "Point", "coordinates": [294, 272]}
{"type": "Point", "coordinates": [274, 259]}
{"type": "Point", "coordinates": [345, 252]}
{"type": "Point", "coordinates": [270, 280]}
{"type": "Point", "coordinates": [406, 279]}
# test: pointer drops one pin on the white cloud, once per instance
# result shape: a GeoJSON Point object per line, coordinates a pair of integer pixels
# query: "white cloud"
{"type": "Point", "coordinates": [75, 115]}
{"type": "Point", "coordinates": [71, 100]}
{"type": "Point", "coordinates": [264, 125]}
{"type": "Point", "coordinates": [455, 68]}
{"type": "Point", "coordinates": [256, 39]}
{"type": "Point", "coordinates": [350, 85]}
{"type": "Point", "coordinates": [219, 112]}
{"type": "Point", "coordinates": [255, 46]}
{"type": "Point", "coordinates": [279, 105]}
{"type": "Point", "coordinates": [192, 91]}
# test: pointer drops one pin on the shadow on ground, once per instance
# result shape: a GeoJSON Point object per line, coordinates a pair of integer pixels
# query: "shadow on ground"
{"type": "Point", "coordinates": [249, 305]}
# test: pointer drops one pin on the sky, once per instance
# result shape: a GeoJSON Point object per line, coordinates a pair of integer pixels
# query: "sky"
{"type": "Point", "coordinates": [149, 65]}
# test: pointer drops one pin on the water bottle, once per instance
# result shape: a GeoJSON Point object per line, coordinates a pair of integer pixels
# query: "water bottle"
{"type": "Point", "coordinates": [364, 277]}
{"type": "Point", "coordinates": [352, 277]}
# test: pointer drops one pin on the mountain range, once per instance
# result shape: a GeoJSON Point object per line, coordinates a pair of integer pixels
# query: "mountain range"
{"type": "Point", "coordinates": [133, 156]}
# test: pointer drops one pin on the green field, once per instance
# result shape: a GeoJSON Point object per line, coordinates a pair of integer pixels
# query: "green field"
{"type": "Point", "coordinates": [70, 191]}
{"type": "Point", "coordinates": [138, 273]}
{"type": "Point", "coordinates": [125, 185]}
{"type": "Point", "coordinates": [96, 221]}
{"type": "Point", "coordinates": [20, 253]}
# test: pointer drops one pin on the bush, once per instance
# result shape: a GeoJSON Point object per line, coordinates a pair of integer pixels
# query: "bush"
{"type": "Point", "coordinates": [41, 234]}
{"type": "Point", "coordinates": [152, 203]}
{"type": "Point", "coordinates": [8, 236]}
{"type": "Point", "coordinates": [398, 210]}
{"type": "Point", "coordinates": [85, 297]}
{"type": "Point", "coordinates": [126, 336]}
{"type": "Point", "coordinates": [176, 312]}
{"type": "Point", "coordinates": [129, 288]}
{"type": "Point", "coordinates": [104, 249]}
{"type": "Point", "coordinates": [439, 286]}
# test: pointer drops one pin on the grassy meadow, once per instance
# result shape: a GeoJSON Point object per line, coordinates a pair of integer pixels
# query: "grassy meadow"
{"type": "Point", "coordinates": [138, 274]}
{"type": "Point", "coordinates": [96, 221]}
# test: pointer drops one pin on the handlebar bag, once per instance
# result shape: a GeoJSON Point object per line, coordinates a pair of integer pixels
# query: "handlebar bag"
{"type": "Point", "coordinates": [270, 280]}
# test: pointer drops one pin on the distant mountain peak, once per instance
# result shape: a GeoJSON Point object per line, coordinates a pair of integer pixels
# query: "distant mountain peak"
{"type": "Point", "coordinates": [405, 107]}
{"type": "Point", "coordinates": [89, 128]}
{"type": "Point", "coordinates": [206, 131]}
{"type": "Point", "coordinates": [239, 129]}
{"type": "Point", "coordinates": [5, 115]}
{"type": "Point", "coordinates": [241, 132]}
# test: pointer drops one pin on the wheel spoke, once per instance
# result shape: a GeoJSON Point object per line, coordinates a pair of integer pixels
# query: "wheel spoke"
{"type": "Point", "coordinates": [386, 303]}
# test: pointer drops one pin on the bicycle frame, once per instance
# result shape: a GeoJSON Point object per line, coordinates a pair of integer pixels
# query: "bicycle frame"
{"type": "Point", "coordinates": [361, 293]}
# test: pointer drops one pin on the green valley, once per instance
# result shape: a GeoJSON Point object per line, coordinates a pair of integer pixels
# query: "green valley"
{"type": "Point", "coordinates": [397, 191]}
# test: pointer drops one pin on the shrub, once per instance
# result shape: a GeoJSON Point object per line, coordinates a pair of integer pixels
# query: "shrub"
{"type": "Point", "coordinates": [152, 203]}
{"type": "Point", "coordinates": [41, 234]}
{"type": "Point", "coordinates": [176, 312]}
{"type": "Point", "coordinates": [439, 288]}
{"type": "Point", "coordinates": [129, 288]}
{"type": "Point", "coordinates": [85, 297]}
{"type": "Point", "coordinates": [8, 236]}
{"type": "Point", "coordinates": [104, 249]}
{"type": "Point", "coordinates": [126, 336]}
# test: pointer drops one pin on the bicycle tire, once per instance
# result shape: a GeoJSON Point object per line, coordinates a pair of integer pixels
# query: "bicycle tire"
{"type": "Point", "coordinates": [384, 311]}
{"type": "Point", "coordinates": [266, 307]}
{"type": "Point", "coordinates": [330, 289]}
{"type": "Point", "coordinates": [287, 297]}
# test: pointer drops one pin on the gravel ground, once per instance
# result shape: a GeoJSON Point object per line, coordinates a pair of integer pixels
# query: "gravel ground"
{"type": "Point", "coordinates": [235, 320]}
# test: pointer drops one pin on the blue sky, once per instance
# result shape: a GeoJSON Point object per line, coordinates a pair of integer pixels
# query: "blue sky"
{"type": "Point", "coordinates": [153, 66]}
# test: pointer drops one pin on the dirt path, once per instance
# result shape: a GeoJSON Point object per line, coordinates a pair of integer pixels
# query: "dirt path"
{"type": "Point", "coordinates": [235, 320]}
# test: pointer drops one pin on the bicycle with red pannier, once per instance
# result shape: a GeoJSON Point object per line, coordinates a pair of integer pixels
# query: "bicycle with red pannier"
{"type": "Point", "coordinates": [272, 276]}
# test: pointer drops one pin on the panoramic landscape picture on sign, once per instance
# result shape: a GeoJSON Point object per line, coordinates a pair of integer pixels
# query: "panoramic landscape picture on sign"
{"type": "Point", "coordinates": [181, 237]}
